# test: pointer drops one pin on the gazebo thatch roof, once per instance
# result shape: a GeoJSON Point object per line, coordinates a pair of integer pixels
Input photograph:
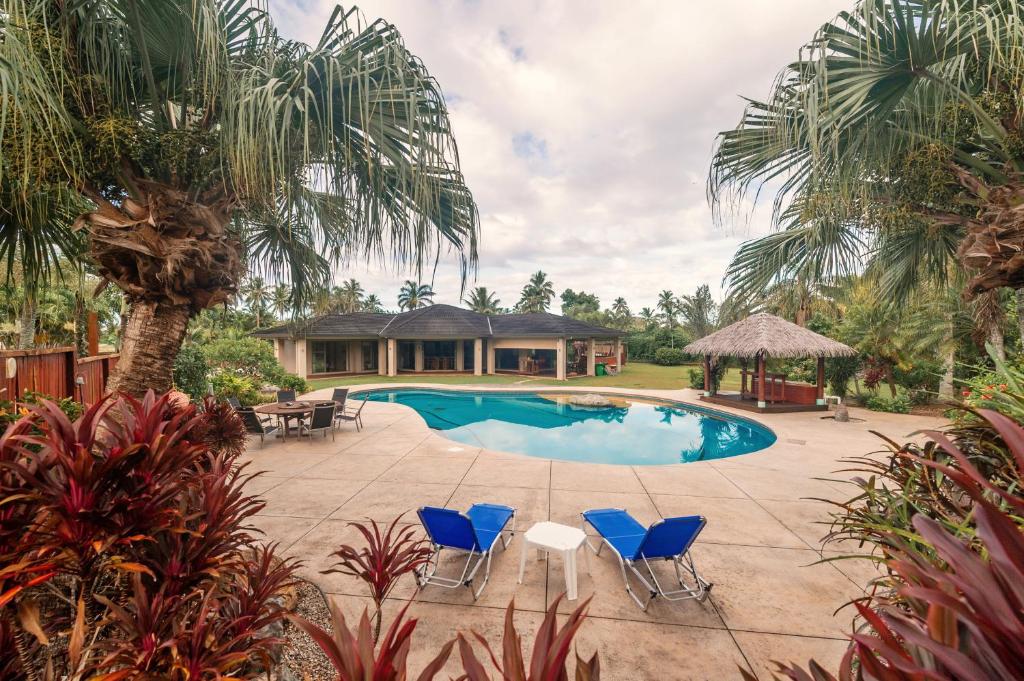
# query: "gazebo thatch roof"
{"type": "Point", "coordinates": [770, 335]}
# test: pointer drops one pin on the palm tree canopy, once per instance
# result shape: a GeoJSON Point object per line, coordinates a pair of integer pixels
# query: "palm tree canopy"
{"type": "Point", "coordinates": [483, 301]}
{"type": "Point", "coordinates": [309, 153]}
{"type": "Point", "coordinates": [897, 122]}
{"type": "Point", "coordinates": [414, 295]}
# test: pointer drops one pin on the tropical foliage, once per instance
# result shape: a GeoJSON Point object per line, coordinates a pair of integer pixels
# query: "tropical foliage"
{"type": "Point", "coordinates": [415, 295]}
{"type": "Point", "coordinates": [196, 135]}
{"type": "Point", "coordinates": [101, 571]}
{"type": "Point", "coordinates": [483, 301]}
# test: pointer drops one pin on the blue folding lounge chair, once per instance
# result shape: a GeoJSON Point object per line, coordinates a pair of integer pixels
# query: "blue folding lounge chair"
{"type": "Point", "coordinates": [473, 532]}
{"type": "Point", "coordinates": [634, 544]}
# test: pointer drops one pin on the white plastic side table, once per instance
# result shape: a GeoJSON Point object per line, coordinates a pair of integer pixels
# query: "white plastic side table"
{"type": "Point", "coordinates": [548, 537]}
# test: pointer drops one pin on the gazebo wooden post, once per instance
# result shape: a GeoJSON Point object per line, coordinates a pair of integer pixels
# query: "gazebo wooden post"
{"type": "Point", "coordinates": [821, 382]}
{"type": "Point", "coordinates": [707, 375]}
{"type": "Point", "coordinates": [743, 377]}
{"type": "Point", "coordinates": [761, 402]}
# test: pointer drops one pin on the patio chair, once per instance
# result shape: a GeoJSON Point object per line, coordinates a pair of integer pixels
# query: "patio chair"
{"type": "Point", "coordinates": [321, 421]}
{"type": "Point", "coordinates": [254, 425]}
{"type": "Point", "coordinates": [235, 404]}
{"type": "Point", "coordinates": [473, 532]}
{"type": "Point", "coordinates": [285, 396]}
{"type": "Point", "coordinates": [355, 416]}
{"type": "Point", "coordinates": [634, 545]}
{"type": "Point", "coordinates": [339, 396]}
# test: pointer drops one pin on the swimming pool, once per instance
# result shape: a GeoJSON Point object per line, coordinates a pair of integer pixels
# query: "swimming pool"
{"type": "Point", "coordinates": [633, 431]}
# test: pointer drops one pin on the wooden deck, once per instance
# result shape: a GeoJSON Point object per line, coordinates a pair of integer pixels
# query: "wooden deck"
{"type": "Point", "coordinates": [778, 407]}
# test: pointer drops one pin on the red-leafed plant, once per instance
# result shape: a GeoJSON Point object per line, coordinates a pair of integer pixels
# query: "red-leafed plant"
{"type": "Point", "coordinates": [125, 550]}
{"type": "Point", "coordinates": [352, 654]}
{"type": "Point", "coordinates": [382, 561]}
{"type": "Point", "coordinates": [956, 605]}
{"type": "Point", "coordinates": [550, 650]}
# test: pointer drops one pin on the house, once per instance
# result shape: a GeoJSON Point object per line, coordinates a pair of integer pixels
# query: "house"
{"type": "Point", "coordinates": [444, 339]}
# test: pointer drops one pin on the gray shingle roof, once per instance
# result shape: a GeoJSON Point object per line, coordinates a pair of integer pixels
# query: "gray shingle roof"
{"type": "Point", "coordinates": [439, 321]}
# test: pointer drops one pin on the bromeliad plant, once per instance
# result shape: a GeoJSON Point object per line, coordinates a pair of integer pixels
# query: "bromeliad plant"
{"type": "Point", "coordinates": [385, 558]}
{"type": "Point", "coordinates": [948, 524]}
{"type": "Point", "coordinates": [125, 546]}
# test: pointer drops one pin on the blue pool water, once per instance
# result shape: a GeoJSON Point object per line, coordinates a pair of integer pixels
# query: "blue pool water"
{"type": "Point", "coordinates": [634, 433]}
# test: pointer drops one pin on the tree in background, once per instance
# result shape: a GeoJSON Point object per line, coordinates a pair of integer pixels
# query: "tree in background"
{"type": "Point", "coordinates": [483, 301]}
{"type": "Point", "coordinates": [281, 301]}
{"type": "Point", "coordinates": [668, 306]}
{"type": "Point", "coordinates": [414, 295]}
{"type": "Point", "coordinates": [371, 303]}
{"type": "Point", "coordinates": [257, 295]}
{"type": "Point", "coordinates": [537, 294]}
{"type": "Point", "coordinates": [699, 312]}
{"type": "Point", "coordinates": [197, 133]}
{"type": "Point", "coordinates": [648, 318]}
{"type": "Point", "coordinates": [349, 296]}
{"type": "Point", "coordinates": [621, 313]}
{"type": "Point", "coordinates": [576, 304]}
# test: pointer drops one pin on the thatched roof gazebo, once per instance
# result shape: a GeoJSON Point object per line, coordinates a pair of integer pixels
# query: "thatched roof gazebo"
{"type": "Point", "coordinates": [759, 337]}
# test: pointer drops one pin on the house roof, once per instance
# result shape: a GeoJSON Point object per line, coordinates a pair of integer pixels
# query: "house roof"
{"type": "Point", "coordinates": [437, 321]}
{"type": "Point", "coordinates": [769, 335]}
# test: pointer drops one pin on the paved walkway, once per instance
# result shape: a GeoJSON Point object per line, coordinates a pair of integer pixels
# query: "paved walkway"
{"type": "Point", "coordinates": [770, 599]}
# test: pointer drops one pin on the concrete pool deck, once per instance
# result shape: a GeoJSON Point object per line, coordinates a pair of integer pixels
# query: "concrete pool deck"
{"type": "Point", "coordinates": [770, 601]}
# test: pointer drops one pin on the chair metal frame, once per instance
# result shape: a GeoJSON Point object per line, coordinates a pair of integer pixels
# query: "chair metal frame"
{"type": "Point", "coordinates": [355, 417]}
{"type": "Point", "coordinates": [680, 562]}
{"type": "Point", "coordinates": [428, 573]}
{"type": "Point", "coordinates": [264, 431]}
{"type": "Point", "coordinates": [309, 429]}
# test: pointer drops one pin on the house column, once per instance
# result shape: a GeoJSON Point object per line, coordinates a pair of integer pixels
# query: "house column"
{"type": "Point", "coordinates": [478, 356]}
{"type": "Point", "coordinates": [279, 350]}
{"type": "Point", "coordinates": [418, 360]}
{"type": "Point", "coordinates": [382, 357]}
{"type": "Point", "coordinates": [591, 357]}
{"type": "Point", "coordinates": [392, 357]}
{"type": "Point", "coordinates": [301, 360]}
{"type": "Point", "coordinates": [560, 359]}
{"type": "Point", "coordinates": [821, 382]}
{"type": "Point", "coordinates": [618, 354]}
{"type": "Point", "coordinates": [761, 402]}
{"type": "Point", "coordinates": [460, 355]}
{"type": "Point", "coordinates": [707, 375]}
{"type": "Point", "coordinates": [491, 364]}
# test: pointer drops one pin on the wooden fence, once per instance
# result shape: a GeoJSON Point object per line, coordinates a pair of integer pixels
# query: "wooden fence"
{"type": "Point", "coordinates": [54, 371]}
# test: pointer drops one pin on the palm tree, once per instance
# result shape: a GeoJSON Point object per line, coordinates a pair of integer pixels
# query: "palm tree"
{"type": "Point", "coordinates": [350, 296]}
{"type": "Point", "coordinates": [198, 134]}
{"type": "Point", "coordinates": [699, 312]}
{"type": "Point", "coordinates": [668, 305]}
{"type": "Point", "coordinates": [483, 301]}
{"type": "Point", "coordinates": [620, 308]}
{"type": "Point", "coordinates": [413, 295]}
{"type": "Point", "coordinates": [281, 301]}
{"type": "Point", "coordinates": [893, 139]}
{"type": "Point", "coordinates": [537, 294]}
{"type": "Point", "coordinates": [371, 303]}
{"type": "Point", "coordinates": [256, 294]}
{"type": "Point", "coordinates": [649, 318]}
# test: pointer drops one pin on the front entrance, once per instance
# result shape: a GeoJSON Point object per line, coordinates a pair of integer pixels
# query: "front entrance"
{"type": "Point", "coordinates": [526, 361]}
{"type": "Point", "coordinates": [439, 355]}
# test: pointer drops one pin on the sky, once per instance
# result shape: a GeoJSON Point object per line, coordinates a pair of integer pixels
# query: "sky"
{"type": "Point", "coordinates": [585, 131]}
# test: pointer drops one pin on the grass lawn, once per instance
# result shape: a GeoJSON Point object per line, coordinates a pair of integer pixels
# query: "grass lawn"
{"type": "Point", "coordinates": [635, 375]}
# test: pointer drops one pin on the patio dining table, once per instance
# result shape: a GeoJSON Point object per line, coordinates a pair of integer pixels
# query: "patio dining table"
{"type": "Point", "coordinates": [287, 411]}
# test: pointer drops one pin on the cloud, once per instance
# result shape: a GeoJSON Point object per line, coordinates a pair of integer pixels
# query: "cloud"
{"type": "Point", "coordinates": [585, 130]}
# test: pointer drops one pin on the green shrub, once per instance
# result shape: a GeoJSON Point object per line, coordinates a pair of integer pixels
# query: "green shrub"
{"type": "Point", "coordinates": [717, 373]}
{"type": "Point", "coordinates": [839, 371]}
{"type": "Point", "coordinates": [697, 378]}
{"type": "Point", "coordinates": [249, 357]}
{"type": "Point", "coordinates": [292, 382]}
{"type": "Point", "coordinates": [9, 415]}
{"type": "Point", "coordinates": [245, 390]}
{"type": "Point", "coordinates": [190, 371]}
{"type": "Point", "coordinates": [894, 405]}
{"type": "Point", "coordinates": [669, 356]}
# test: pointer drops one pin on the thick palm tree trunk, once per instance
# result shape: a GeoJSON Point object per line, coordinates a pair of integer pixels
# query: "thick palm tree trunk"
{"type": "Point", "coordinates": [1020, 316]}
{"type": "Point", "coordinates": [152, 338]}
{"type": "Point", "coordinates": [27, 326]}
{"type": "Point", "coordinates": [946, 383]}
{"type": "Point", "coordinates": [995, 339]}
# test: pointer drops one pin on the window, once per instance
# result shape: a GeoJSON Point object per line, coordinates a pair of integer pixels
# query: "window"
{"type": "Point", "coordinates": [370, 355]}
{"type": "Point", "coordinates": [330, 357]}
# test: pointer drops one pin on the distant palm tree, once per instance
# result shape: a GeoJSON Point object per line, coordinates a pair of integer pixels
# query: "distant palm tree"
{"type": "Point", "coordinates": [256, 294]}
{"type": "Point", "coordinates": [699, 311]}
{"type": "Point", "coordinates": [349, 296]}
{"type": "Point", "coordinates": [537, 294]}
{"type": "Point", "coordinates": [483, 301]}
{"type": "Point", "coordinates": [620, 310]}
{"type": "Point", "coordinates": [371, 303]}
{"type": "Point", "coordinates": [414, 295]}
{"type": "Point", "coordinates": [281, 301]}
{"type": "Point", "coordinates": [649, 318]}
{"type": "Point", "coordinates": [668, 305]}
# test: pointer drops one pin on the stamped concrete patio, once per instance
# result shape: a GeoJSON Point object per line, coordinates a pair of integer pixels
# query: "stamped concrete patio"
{"type": "Point", "coordinates": [770, 600]}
